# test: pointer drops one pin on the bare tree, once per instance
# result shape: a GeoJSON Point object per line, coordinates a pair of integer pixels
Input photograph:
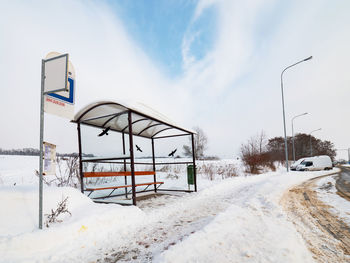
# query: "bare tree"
{"type": "Point", "coordinates": [200, 144]}
{"type": "Point", "coordinates": [68, 172]}
{"type": "Point", "coordinates": [254, 154]}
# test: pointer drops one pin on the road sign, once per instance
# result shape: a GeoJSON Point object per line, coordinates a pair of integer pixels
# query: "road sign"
{"type": "Point", "coordinates": [49, 158]}
{"type": "Point", "coordinates": [61, 103]}
{"type": "Point", "coordinates": [56, 68]}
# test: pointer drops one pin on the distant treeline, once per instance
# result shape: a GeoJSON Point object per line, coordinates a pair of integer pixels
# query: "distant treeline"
{"type": "Point", "coordinates": [23, 151]}
{"type": "Point", "coordinates": [260, 152]}
{"type": "Point", "coordinates": [36, 152]}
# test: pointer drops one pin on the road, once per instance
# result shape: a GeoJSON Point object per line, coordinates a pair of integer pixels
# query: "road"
{"type": "Point", "coordinates": [325, 234]}
{"type": "Point", "coordinates": [343, 182]}
{"type": "Point", "coordinates": [165, 231]}
{"type": "Point", "coordinates": [236, 220]}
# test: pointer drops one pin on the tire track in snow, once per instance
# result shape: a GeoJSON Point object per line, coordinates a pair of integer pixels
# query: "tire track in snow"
{"type": "Point", "coordinates": [327, 237]}
{"type": "Point", "coordinates": [172, 219]}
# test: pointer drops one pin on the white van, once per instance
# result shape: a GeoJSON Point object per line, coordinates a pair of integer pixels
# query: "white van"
{"type": "Point", "coordinates": [294, 165]}
{"type": "Point", "coordinates": [316, 163]}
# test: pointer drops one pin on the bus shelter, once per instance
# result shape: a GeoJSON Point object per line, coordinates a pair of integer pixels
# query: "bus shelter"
{"type": "Point", "coordinates": [129, 120]}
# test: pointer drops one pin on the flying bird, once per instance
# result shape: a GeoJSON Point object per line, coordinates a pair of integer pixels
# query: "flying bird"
{"type": "Point", "coordinates": [138, 148]}
{"type": "Point", "coordinates": [172, 153]}
{"type": "Point", "coordinates": [104, 132]}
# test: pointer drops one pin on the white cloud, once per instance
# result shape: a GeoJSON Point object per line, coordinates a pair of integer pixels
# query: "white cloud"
{"type": "Point", "coordinates": [232, 92]}
{"type": "Point", "coordinates": [232, 49]}
{"type": "Point", "coordinates": [188, 58]}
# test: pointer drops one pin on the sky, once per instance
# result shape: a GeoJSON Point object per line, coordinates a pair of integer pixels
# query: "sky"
{"type": "Point", "coordinates": [209, 63]}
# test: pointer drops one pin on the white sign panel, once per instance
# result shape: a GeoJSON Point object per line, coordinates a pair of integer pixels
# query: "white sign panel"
{"type": "Point", "coordinates": [49, 158]}
{"type": "Point", "coordinates": [56, 69]}
{"type": "Point", "coordinates": [62, 103]}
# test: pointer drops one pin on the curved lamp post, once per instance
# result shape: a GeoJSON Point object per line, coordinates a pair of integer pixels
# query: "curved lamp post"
{"type": "Point", "coordinates": [293, 133]}
{"type": "Point", "coordinates": [284, 118]}
{"type": "Point", "coordinates": [310, 140]}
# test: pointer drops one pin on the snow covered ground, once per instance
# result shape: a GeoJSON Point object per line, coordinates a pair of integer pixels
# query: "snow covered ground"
{"type": "Point", "coordinates": [237, 219]}
{"type": "Point", "coordinates": [327, 192]}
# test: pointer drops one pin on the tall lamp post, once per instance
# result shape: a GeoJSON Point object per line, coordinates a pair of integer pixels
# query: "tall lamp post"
{"type": "Point", "coordinates": [293, 132]}
{"type": "Point", "coordinates": [310, 140]}
{"type": "Point", "coordinates": [284, 118]}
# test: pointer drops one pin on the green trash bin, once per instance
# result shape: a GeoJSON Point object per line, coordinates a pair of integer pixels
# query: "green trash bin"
{"type": "Point", "coordinates": [190, 174]}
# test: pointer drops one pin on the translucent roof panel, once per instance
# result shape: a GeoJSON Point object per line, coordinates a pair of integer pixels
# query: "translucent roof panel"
{"type": "Point", "coordinates": [146, 122]}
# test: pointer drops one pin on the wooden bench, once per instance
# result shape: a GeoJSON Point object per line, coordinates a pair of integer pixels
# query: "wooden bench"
{"type": "Point", "coordinates": [110, 174]}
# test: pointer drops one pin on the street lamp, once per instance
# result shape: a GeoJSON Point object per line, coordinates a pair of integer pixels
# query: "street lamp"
{"type": "Point", "coordinates": [310, 140]}
{"type": "Point", "coordinates": [293, 133]}
{"type": "Point", "coordinates": [284, 118]}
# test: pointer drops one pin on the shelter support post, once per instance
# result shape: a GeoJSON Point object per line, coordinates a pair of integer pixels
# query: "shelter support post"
{"type": "Point", "coordinates": [132, 165]}
{"type": "Point", "coordinates": [154, 166]}
{"type": "Point", "coordinates": [80, 160]}
{"type": "Point", "coordinates": [194, 163]}
{"type": "Point", "coordinates": [125, 178]}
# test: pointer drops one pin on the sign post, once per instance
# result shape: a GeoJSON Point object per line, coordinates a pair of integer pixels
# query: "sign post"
{"type": "Point", "coordinates": [54, 81]}
{"type": "Point", "coordinates": [41, 144]}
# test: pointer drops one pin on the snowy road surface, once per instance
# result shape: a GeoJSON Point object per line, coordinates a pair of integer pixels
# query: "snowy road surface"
{"type": "Point", "coordinates": [233, 220]}
{"type": "Point", "coordinates": [322, 218]}
{"type": "Point", "coordinates": [238, 220]}
{"type": "Point", "coordinates": [343, 182]}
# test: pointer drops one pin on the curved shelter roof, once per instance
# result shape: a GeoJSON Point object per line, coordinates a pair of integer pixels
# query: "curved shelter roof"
{"type": "Point", "coordinates": [146, 122]}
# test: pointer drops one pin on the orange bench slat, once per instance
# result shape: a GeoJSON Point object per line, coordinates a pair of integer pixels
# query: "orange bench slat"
{"type": "Point", "coordinates": [107, 174]}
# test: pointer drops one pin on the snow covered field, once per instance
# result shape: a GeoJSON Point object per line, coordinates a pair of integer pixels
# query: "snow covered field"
{"type": "Point", "coordinates": [237, 219]}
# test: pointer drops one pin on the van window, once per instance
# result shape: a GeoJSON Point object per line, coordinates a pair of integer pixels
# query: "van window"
{"type": "Point", "coordinates": [307, 164]}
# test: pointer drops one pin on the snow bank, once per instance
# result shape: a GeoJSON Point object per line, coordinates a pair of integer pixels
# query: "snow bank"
{"type": "Point", "coordinates": [89, 225]}
{"type": "Point", "coordinates": [328, 194]}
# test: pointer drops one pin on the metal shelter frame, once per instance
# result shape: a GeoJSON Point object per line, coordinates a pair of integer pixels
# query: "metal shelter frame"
{"type": "Point", "coordinates": [105, 114]}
